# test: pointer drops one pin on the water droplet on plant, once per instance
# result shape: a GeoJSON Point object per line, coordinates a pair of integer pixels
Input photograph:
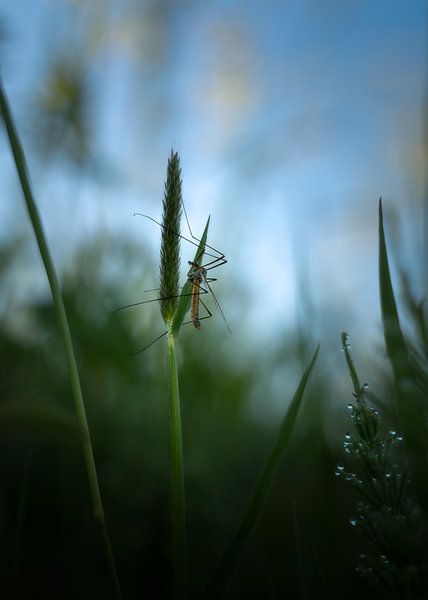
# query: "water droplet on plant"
{"type": "Point", "coordinates": [340, 469]}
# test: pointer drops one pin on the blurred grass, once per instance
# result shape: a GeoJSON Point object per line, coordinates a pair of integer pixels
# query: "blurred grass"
{"type": "Point", "coordinates": [224, 447]}
{"type": "Point", "coordinates": [225, 443]}
{"type": "Point", "coordinates": [220, 580]}
{"type": "Point", "coordinates": [64, 331]}
{"type": "Point", "coordinates": [410, 376]}
{"type": "Point", "coordinates": [48, 543]}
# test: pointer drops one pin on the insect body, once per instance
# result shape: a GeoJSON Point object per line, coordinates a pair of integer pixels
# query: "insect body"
{"type": "Point", "coordinates": [196, 286]}
{"type": "Point", "coordinates": [197, 283]}
{"type": "Point", "coordinates": [197, 276]}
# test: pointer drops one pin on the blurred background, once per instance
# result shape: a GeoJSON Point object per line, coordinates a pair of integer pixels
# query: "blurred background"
{"type": "Point", "coordinates": [291, 118]}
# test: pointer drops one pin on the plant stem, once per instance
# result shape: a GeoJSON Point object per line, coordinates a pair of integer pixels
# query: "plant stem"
{"type": "Point", "coordinates": [177, 475]}
{"type": "Point", "coordinates": [21, 167]}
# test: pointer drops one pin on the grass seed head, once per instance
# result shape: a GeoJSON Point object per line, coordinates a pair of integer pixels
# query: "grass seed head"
{"type": "Point", "coordinates": [170, 246]}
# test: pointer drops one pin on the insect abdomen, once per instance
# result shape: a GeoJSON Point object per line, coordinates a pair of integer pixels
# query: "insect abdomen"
{"type": "Point", "coordinates": [195, 306]}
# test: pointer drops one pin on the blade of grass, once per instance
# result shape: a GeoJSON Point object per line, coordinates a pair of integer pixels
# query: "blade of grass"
{"type": "Point", "coordinates": [169, 278]}
{"type": "Point", "coordinates": [411, 408]}
{"type": "Point", "coordinates": [21, 167]}
{"type": "Point", "coordinates": [217, 585]}
{"type": "Point", "coordinates": [177, 477]}
{"type": "Point", "coordinates": [186, 293]}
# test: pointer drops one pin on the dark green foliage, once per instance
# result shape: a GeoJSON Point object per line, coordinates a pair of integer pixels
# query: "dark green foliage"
{"type": "Point", "coordinates": [64, 330]}
{"type": "Point", "coordinates": [220, 580]}
{"type": "Point", "coordinates": [170, 245]}
{"type": "Point", "coordinates": [48, 542]}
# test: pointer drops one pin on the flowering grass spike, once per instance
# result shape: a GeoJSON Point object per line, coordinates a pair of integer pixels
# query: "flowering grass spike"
{"type": "Point", "coordinates": [170, 246]}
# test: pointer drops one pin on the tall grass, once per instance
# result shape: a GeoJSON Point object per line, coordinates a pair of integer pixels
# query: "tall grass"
{"type": "Point", "coordinates": [386, 462]}
{"type": "Point", "coordinates": [391, 462]}
{"type": "Point", "coordinates": [64, 328]}
{"type": "Point", "coordinates": [173, 312]}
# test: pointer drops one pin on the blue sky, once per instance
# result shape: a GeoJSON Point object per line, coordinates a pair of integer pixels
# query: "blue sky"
{"type": "Point", "coordinates": [291, 118]}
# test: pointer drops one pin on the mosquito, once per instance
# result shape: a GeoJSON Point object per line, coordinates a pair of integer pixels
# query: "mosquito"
{"type": "Point", "coordinates": [197, 278]}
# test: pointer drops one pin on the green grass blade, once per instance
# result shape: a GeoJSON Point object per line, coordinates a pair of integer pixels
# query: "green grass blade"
{"type": "Point", "coordinates": [394, 339]}
{"type": "Point", "coordinates": [186, 293]}
{"type": "Point", "coordinates": [21, 167]}
{"type": "Point", "coordinates": [178, 505]}
{"type": "Point", "coordinates": [411, 406]}
{"type": "Point", "coordinates": [217, 585]}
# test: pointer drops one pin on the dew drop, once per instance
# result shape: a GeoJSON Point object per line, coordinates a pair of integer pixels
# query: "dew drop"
{"type": "Point", "coordinates": [340, 469]}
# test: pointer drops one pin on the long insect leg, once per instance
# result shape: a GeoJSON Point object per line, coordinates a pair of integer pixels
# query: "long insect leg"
{"type": "Point", "coordinates": [151, 343]}
{"type": "Point", "coordinates": [180, 236]}
{"type": "Point", "coordinates": [153, 300]}
{"type": "Point", "coordinates": [216, 302]}
{"type": "Point", "coordinates": [220, 257]}
{"type": "Point", "coordinates": [197, 279]}
{"type": "Point", "coordinates": [208, 316]}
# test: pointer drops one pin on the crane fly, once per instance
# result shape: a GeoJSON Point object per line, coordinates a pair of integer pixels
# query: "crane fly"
{"type": "Point", "coordinates": [197, 283]}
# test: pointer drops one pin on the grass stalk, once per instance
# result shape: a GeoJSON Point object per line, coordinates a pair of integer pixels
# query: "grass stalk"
{"type": "Point", "coordinates": [21, 167]}
{"type": "Point", "coordinates": [177, 476]}
{"type": "Point", "coordinates": [169, 293]}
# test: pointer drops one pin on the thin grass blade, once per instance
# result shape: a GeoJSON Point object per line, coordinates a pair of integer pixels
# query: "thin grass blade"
{"type": "Point", "coordinates": [217, 585]}
{"type": "Point", "coordinates": [24, 179]}
{"type": "Point", "coordinates": [411, 407]}
{"type": "Point", "coordinates": [186, 293]}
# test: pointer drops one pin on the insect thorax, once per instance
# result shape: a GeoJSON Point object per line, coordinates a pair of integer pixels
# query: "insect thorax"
{"type": "Point", "coordinates": [196, 272]}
